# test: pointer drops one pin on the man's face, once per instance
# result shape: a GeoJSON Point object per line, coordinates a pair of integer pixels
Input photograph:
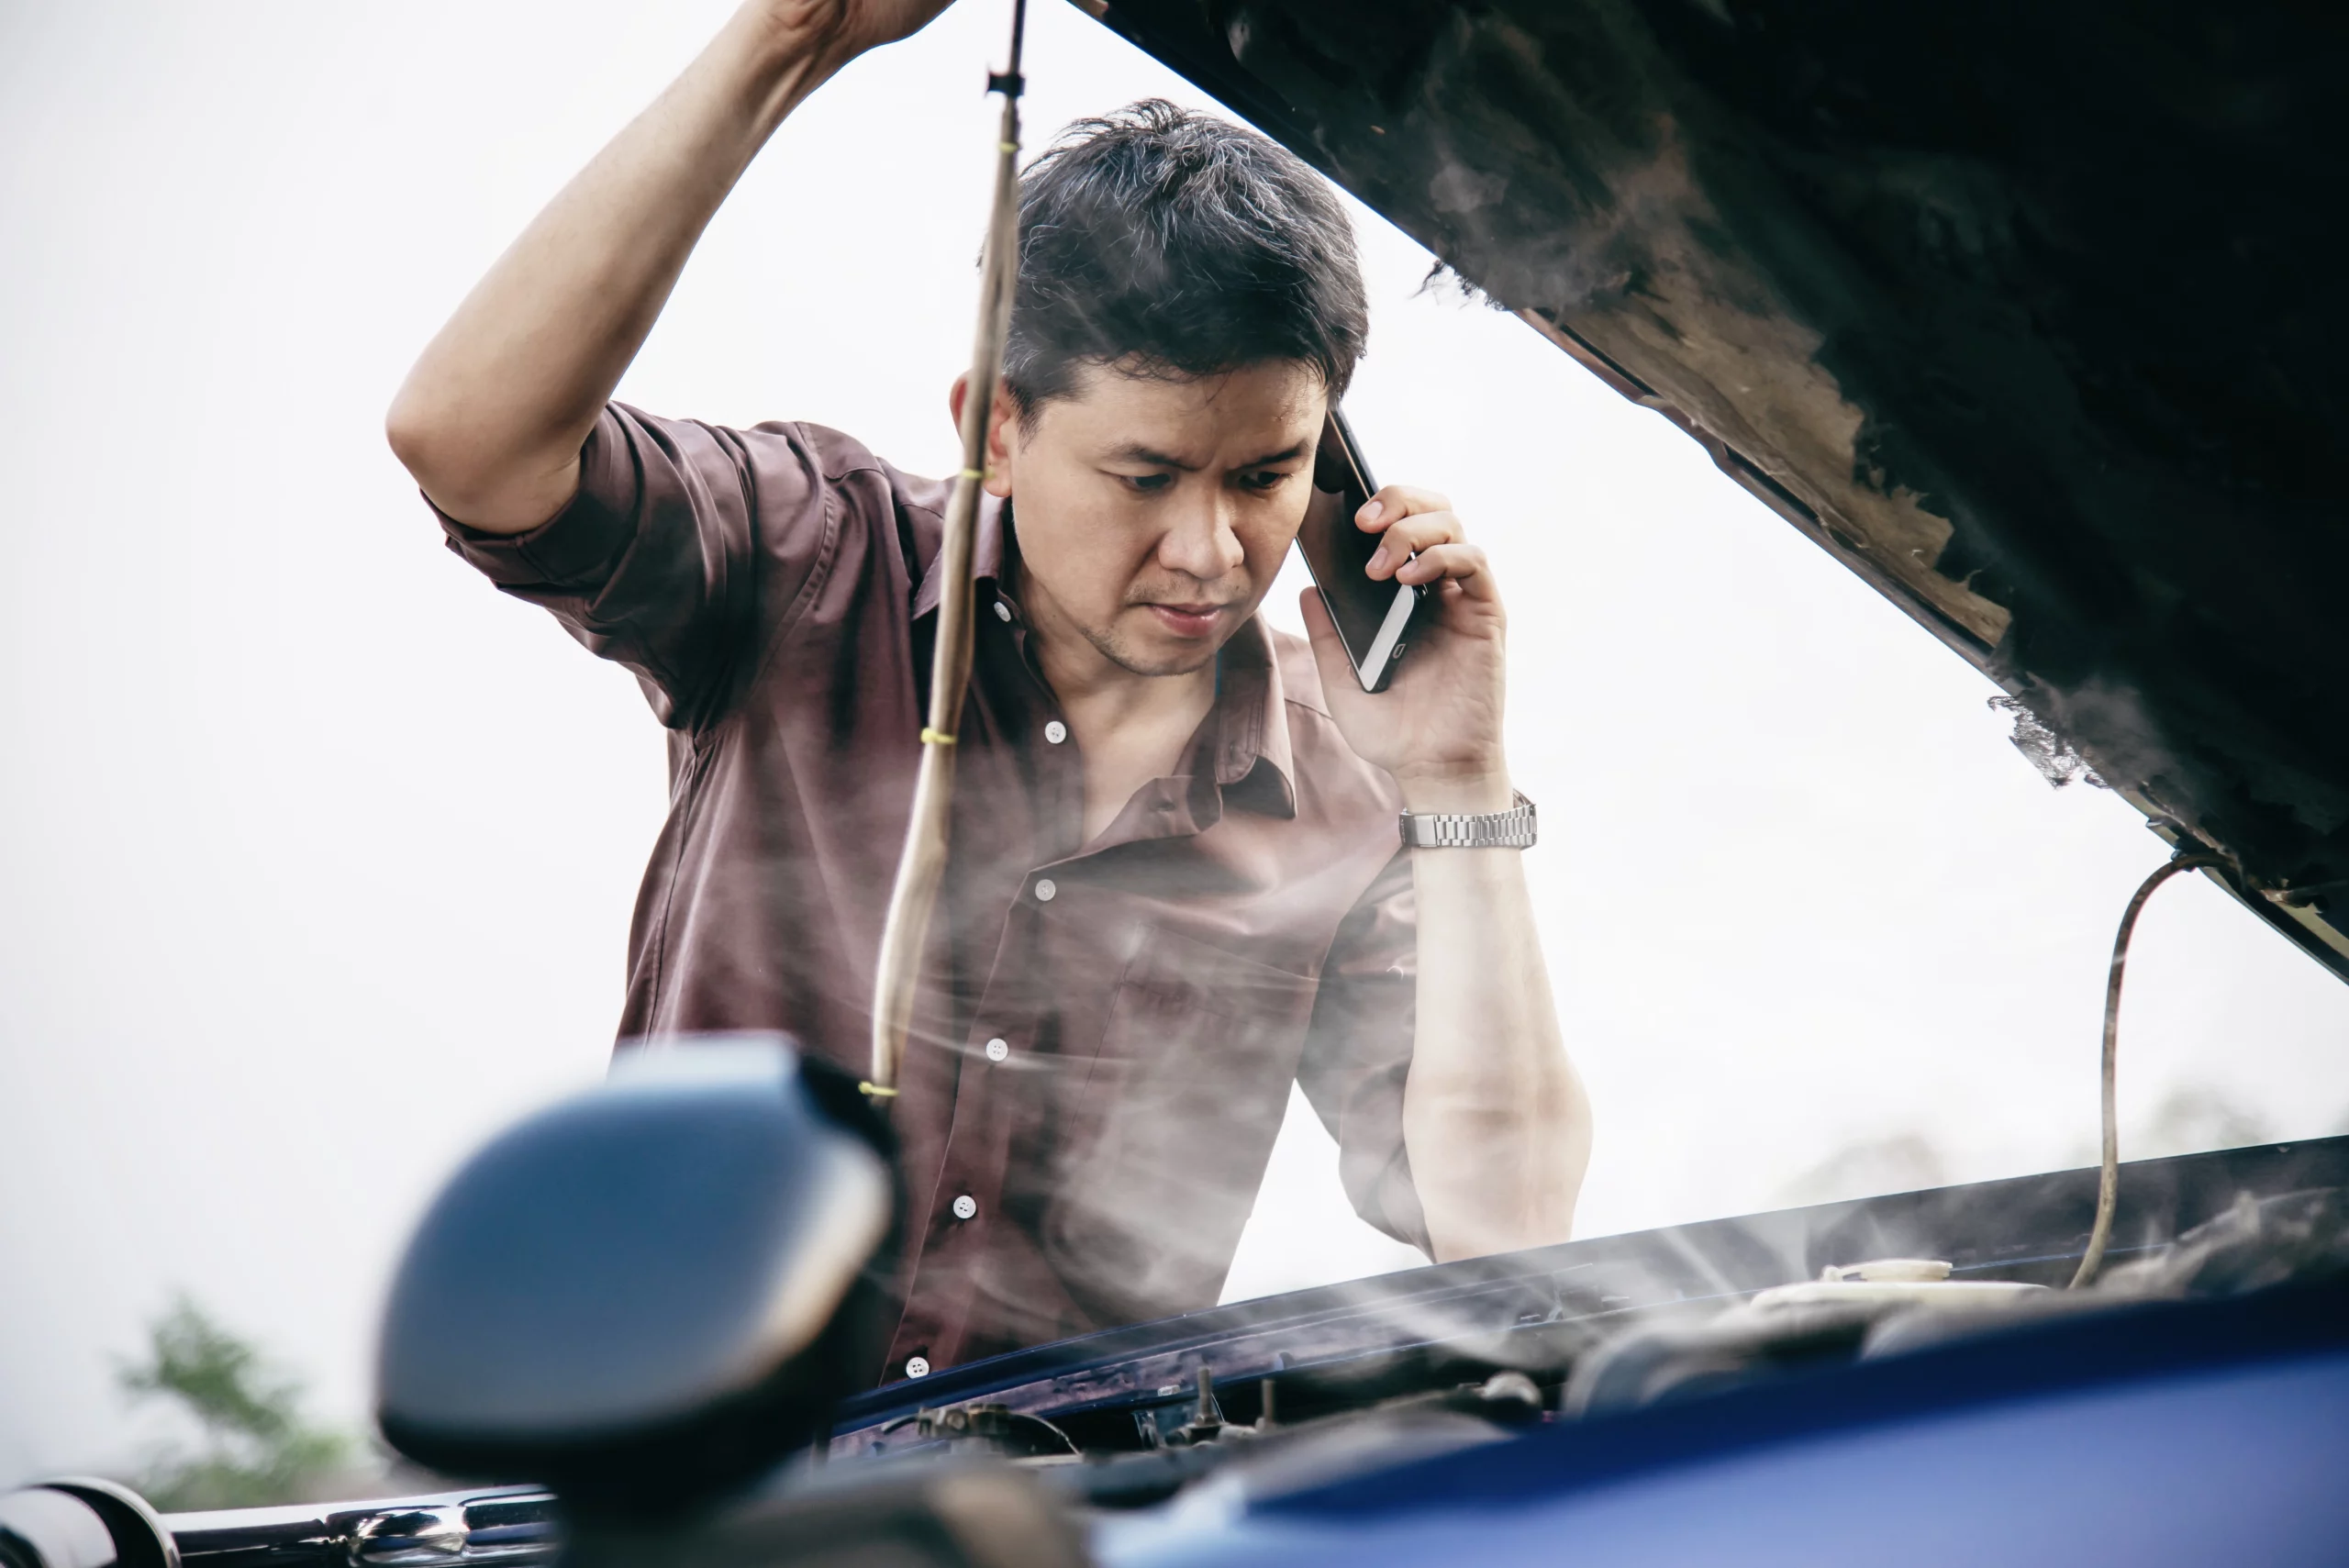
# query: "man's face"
{"type": "Point", "coordinates": [1153, 515]}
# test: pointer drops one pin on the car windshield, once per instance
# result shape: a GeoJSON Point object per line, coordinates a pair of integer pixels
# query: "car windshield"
{"type": "Point", "coordinates": [324, 856]}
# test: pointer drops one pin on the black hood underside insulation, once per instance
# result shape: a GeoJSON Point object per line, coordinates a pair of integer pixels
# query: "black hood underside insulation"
{"type": "Point", "coordinates": [2028, 313]}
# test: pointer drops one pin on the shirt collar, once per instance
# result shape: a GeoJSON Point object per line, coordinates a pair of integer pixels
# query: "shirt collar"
{"type": "Point", "coordinates": [1252, 754]}
{"type": "Point", "coordinates": [986, 556]}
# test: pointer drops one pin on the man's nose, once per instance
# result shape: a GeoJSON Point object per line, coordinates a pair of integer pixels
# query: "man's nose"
{"type": "Point", "coordinates": [1202, 543]}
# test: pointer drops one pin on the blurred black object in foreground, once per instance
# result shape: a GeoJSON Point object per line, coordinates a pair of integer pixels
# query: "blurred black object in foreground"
{"type": "Point", "coordinates": [650, 1294]}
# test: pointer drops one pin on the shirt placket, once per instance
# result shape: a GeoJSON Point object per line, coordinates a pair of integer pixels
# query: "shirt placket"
{"type": "Point", "coordinates": [964, 1217]}
{"type": "Point", "coordinates": [964, 1207]}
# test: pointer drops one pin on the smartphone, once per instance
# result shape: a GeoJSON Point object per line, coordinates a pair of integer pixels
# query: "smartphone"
{"type": "Point", "coordinates": [1374, 620]}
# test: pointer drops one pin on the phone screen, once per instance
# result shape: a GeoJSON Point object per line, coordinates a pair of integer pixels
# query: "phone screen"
{"type": "Point", "coordinates": [1371, 616]}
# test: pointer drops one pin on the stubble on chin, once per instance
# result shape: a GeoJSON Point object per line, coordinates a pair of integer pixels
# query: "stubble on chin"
{"type": "Point", "coordinates": [1120, 649]}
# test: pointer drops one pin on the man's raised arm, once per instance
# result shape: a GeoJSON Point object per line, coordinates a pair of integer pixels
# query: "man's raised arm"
{"type": "Point", "coordinates": [492, 418]}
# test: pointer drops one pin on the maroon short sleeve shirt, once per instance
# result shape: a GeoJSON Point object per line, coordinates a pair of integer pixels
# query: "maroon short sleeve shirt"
{"type": "Point", "coordinates": [1105, 1031]}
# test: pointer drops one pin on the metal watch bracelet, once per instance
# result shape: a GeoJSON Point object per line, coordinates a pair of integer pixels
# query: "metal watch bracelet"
{"type": "Point", "coordinates": [1510, 829]}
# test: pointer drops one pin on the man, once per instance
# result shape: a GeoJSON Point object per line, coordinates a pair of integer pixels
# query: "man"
{"type": "Point", "coordinates": [1175, 886]}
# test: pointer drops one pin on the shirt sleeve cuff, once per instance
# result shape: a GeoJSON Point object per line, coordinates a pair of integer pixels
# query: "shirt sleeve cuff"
{"type": "Point", "coordinates": [574, 547]}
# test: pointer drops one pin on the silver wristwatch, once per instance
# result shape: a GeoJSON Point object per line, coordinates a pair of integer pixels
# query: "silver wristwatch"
{"type": "Point", "coordinates": [1510, 829]}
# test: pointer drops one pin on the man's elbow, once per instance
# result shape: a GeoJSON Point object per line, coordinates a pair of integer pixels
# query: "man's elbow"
{"type": "Point", "coordinates": [469, 475]}
{"type": "Point", "coordinates": [420, 433]}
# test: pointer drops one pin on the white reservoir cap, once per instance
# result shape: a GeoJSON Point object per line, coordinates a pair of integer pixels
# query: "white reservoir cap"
{"type": "Point", "coordinates": [1891, 1270]}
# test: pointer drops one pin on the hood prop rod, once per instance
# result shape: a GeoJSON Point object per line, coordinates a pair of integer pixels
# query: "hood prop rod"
{"type": "Point", "coordinates": [922, 865]}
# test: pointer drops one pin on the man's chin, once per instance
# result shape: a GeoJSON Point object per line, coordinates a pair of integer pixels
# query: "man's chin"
{"type": "Point", "coordinates": [1187, 660]}
{"type": "Point", "coordinates": [1140, 656]}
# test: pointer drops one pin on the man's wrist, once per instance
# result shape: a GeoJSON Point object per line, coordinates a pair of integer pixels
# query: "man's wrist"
{"type": "Point", "coordinates": [783, 58]}
{"type": "Point", "coordinates": [1456, 791]}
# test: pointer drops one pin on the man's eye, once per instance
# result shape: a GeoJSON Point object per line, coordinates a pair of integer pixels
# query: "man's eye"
{"type": "Point", "coordinates": [1269, 480]}
{"type": "Point", "coordinates": [1148, 484]}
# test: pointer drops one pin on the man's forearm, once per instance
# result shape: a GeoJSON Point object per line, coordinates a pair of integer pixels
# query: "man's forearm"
{"type": "Point", "coordinates": [492, 418]}
{"type": "Point", "coordinates": [1493, 1116]}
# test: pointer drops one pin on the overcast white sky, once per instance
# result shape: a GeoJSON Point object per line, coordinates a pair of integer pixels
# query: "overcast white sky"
{"type": "Point", "coordinates": [317, 855]}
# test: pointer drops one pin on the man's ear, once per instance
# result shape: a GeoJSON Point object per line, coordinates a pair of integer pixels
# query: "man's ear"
{"type": "Point", "coordinates": [998, 447]}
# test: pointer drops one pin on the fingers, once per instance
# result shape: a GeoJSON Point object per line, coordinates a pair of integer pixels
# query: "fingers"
{"type": "Point", "coordinates": [1394, 502]}
{"type": "Point", "coordinates": [1405, 536]}
{"type": "Point", "coordinates": [1319, 628]}
{"type": "Point", "coordinates": [1456, 561]}
{"type": "Point", "coordinates": [1421, 542]}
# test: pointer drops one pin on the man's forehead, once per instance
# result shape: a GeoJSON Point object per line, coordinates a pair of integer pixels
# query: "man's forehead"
{"type": "Point", "coordinates": [1255, 413]}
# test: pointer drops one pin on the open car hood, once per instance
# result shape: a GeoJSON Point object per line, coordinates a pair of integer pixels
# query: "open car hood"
{"type": "Point", "coordinates": [2025, 313]}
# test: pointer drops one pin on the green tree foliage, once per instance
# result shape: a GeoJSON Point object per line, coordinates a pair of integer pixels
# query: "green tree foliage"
{"type": "Point", "coordinates": [256, 1446]}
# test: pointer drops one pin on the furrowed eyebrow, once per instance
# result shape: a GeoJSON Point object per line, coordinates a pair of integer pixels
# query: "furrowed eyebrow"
{"type": "Point", "coordinates": [1134, 452]}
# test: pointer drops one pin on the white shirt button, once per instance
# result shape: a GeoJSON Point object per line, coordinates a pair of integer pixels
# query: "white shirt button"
{"type": "Point", "coordinates": [965, 1206]}
{"type": "Point", "coordinates": [1002, 613]}
{"type": "Point", "coordinates": [1045, 889]}
{"type": "Point", "coordinates": [997, 1050]}
{"type": "Point", "coordinates": [1056, 732]}
{"type": "Point", "coordinates": [916, 1366]}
